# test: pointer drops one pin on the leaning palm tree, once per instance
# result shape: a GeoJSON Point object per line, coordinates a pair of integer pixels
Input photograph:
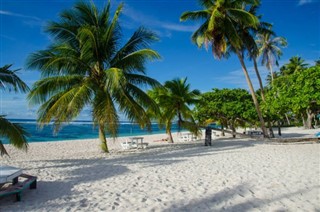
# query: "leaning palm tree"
{"type": "Point", "coordinates": [174, 100]}
{"type": "Point", "coordinates": [222, 19]}
{"type": "Point", "coordinates": [270, 50]}
{"type": "Point", "coordinates": [13, 132]}
{"type": "Point", "coordinates": [87, 66]}
{"type": "Point", "coordinates": [247, 36]}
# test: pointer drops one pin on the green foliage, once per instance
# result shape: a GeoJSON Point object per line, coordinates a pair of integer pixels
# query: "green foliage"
{"type": "Point", "coordinates": [10, 81]}
{"type": "Point", "coordinates": [230, 106]}
{"type": "Point", "coordinates": [296, 64]}
{"type": "Point", "coordinates": [174, 99]}
{"type": "Point", "coordinates": [87, 66]}
{"type": "Point", "coordinates": [295, 93]}
{"type": "Point", "coordinates": [13, 132]}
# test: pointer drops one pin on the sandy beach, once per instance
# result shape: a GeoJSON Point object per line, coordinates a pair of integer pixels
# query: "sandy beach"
{"type": "Point", "coordinates": [231, 175]}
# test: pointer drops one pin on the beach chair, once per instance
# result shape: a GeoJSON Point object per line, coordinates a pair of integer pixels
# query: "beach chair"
{"type": "Point", "coordinates": [13, 181]}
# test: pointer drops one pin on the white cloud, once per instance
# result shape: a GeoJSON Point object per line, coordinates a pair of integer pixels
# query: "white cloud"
{"type": "Point", "coordinates": [7, 37]}
{"type": "Point", "coordinates": [142, 19]}
{"type": "Point", "coordinates": [303, 2]}
{"type": "Point", "coordinates": [8, 13]}
{"type": "Point", "coordinates": [237, 79]}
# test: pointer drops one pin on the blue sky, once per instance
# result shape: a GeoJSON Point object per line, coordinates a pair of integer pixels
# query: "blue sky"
{"type": "Point", "coordinates": [22, 24]}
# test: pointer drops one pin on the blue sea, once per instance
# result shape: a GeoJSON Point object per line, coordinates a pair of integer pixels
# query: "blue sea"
{"type": "Point", "coordinates": [80, 130]}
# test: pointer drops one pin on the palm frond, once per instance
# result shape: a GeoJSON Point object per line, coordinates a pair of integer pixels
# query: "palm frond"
{"type": "Point", "coordinates": [141, 39]}
{"type": "Point", "coordinates": [135, 62]}
{"type": "Point", "coordinates": [104, 111]}
{"type": "Point", "coordinates": [10, 80]}
{"type": "Point", "coordinates": [44, 88]}
{"type": "Point", "coordinates": [16, 135]}
{"type": "Point", "coordinates": [245, 18]}
{"type": "Point", "coordinates": [195, 15]}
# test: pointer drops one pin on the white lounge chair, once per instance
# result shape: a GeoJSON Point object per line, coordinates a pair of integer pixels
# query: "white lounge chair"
{"type": "Point", "coordinates": [14, 181]}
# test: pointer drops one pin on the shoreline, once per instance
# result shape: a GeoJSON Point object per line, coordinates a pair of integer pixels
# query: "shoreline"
{"type": "Point", "coordinates": [239, 174]}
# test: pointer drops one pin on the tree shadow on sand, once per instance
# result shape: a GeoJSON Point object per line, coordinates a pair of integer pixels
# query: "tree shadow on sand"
{"type": "Point", "coordinates": [224, 199]}
{"type": "Point", "coordinates": [79, 171]}
{"type": "Point", "coordinates": [50, 190]}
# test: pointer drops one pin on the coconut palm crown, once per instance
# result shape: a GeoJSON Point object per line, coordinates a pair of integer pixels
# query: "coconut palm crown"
{"type": "Point", "coordinates": [221, 21]}
{"type": "Point", "coordinates": [222, 28]}
{"type": "Point", "coordinates": [270, 50]}
{"type": "Point", "coordinates": [87, 65]}
{"type": "Point", "coordinates": [13, 132]}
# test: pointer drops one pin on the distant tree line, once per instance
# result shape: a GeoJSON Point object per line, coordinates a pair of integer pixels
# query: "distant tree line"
{"type": "Point", "coordinates": [291, 98]}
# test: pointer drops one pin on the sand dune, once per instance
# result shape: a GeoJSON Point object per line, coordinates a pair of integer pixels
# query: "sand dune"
{"type": "Point", "coordinates": [232, 175]}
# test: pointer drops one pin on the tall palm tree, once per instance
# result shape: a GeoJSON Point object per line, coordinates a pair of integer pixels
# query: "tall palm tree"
{"type": "Point", "coordinates": [174, 100]}
{"type": "Point", "coordinates": [269, 47]}
{"type": "Point", "coordinates": [16, 135]}
{"type": "Point", "coordinates": [87, 66]}
{"type": "Point", "coordinates": [247, 35]}
{"type": "Point", "coordinates": [222, 19]}
{"type": "Point", "coordinates": [270, 50]}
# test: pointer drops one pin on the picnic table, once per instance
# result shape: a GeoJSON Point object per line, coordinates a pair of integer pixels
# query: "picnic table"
{"type": "Point", "coordinates": [135, 142]}
{"type": "Point", "coordinates": [138, 141]}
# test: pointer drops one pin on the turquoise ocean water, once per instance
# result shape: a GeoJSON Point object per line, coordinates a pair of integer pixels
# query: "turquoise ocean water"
{"type": "Point", "coordinates": [79, 130]}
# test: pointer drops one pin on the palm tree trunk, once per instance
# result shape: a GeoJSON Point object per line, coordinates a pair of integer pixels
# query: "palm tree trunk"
{"type": "Point", "coordinates": [259, 78]}
{"type": "Point", "coordinates": [102, 137]}
{"type": "Point", "coordinates": [168, 130]}
{"type": "Point", "coordinates": [170, 136]}
{"type": "Point", "coordinates": [271, 72]}
{"type": "Point", "coordinates": [255, 101]}
{"type": "Point", "coordinates": [262, 93]}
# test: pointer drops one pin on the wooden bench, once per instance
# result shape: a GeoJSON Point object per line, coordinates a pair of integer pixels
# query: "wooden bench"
{"type": "Point", "coordinates": [17, 187]}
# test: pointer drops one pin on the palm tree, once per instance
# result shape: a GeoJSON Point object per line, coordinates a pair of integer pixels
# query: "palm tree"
{"type": "Point", "coordinates": [247, 34]}
{"type": "Point", "coordinates": [174, 100]}
{"type": "Point", "coordinates": [87, 66]}
{"type": "Point", "coordinates": [12, 131]}
{"type": "Point", "coordinates": [270, 50]}
{"type": "Point", "coordinates": [295, 64]}
{"type": "Point", "coordinates": [222, 21]}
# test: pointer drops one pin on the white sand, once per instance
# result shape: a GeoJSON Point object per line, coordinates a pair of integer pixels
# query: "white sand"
{"type": "Point", "coordinates": [232, 175]}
